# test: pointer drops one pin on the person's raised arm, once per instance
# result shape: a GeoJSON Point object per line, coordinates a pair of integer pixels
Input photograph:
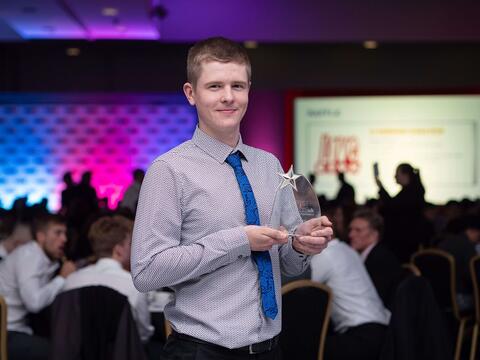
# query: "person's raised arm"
{"type": "Point", "coordinates": [36, 296]}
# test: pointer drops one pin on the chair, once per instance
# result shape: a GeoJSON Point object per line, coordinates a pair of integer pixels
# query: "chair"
{"type": "Point", "coordinates": [306, 307]}
{"type": "Point", "coordinates": [438, 267]}
{"type": "Point", "coordinates": [409, 269]}
{"type": "Point", "coordinates": [475, 274]}
{"type": "Point", "coordinates": [94, 323]}
{"type": "Point", "coordinates": [168, 329]}
{"type": "Point", "coordinates": [3, 329]}
{"type": "Point", "coordinates": [417, 329]}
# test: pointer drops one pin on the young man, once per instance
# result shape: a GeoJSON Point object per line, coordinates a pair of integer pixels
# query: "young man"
{"type": "Point", "coordinates": [366, 229]}
{"type": "Point", "coordinates": [358, 315]}
{"type": "Point", "coordinates": [28, 287]}
{"type": "Point", "coordinates": [111, 240]}
{"type": "Point", "coordinates": [199, 233]}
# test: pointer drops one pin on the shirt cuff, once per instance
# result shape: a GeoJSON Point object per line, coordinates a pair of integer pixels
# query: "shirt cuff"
{"type": "Point", "coordinates": [293, 251]}
{"type": "Point", "coordinates": [236, 240]}
{"type": "Point", "coordinates": [59, 281]}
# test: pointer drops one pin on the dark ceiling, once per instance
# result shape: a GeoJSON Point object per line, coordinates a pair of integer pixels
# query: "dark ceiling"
{"type": "Point", "coordinates": [330, 21]}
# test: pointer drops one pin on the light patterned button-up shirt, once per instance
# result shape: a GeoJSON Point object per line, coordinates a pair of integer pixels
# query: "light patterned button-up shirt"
{"type": "Point", "coordinates": [26, 284]}
{"type": "Point", "coordinates": [189, 235]}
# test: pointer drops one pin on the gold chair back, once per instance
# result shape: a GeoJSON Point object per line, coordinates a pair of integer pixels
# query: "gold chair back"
{"type": "Point", "coordinates": [475, 275]}
{"type": "Point", "coordinates": [3, 329]}
{"type": "Point", "coordinates": [438, 267]}
{"type": "Point", "coordinates": [298, 314]}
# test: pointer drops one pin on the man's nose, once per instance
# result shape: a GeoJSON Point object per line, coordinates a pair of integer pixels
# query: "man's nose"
{"type": "Point", "coordinates": [227, 95]}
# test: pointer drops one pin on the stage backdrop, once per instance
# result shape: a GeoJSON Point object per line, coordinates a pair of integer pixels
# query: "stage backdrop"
{"type": "Point", "coordinates": [44, 136]}
{"type": "Point", "coordinates": [437, 134]}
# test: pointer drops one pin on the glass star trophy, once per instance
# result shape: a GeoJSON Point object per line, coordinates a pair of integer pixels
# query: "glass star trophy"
{"type": "Point", "coordinates": [295, 202]}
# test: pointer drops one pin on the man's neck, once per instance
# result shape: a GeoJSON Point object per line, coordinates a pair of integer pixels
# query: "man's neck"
{"type": "Point", "coordinates": [229, 138]}
{"type": "Point", "coordinates": [8, 244]}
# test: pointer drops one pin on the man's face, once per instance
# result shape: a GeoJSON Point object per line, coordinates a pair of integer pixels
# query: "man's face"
{"type": "Point", "coordinates": [361, 234]}
{"type": "Point", "coordinates": [473, 235]}
{"type": "Point", "coordinates": [52, 240]}
{"type": "Point", "coordinates": [221, 98]}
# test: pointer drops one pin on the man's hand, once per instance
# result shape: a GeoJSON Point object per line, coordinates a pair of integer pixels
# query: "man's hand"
{"type": "Point", "coordinates": [262, 238]}
{"type": "Point", "coordinates": [313, 236]}
{"type": "Point", "coordinates": [68, 267]}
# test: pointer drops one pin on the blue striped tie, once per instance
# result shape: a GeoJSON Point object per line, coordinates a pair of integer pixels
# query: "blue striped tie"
{"type": "Point", "coordinates": [261, 258]}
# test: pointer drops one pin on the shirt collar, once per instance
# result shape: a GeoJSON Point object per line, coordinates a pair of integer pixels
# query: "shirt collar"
{"type": "Point", "coordinates": [364, 254]}
{"type": "Point", "coordinates": [110, 263]}
{"type": "Point", "coordinates": [216, 149]}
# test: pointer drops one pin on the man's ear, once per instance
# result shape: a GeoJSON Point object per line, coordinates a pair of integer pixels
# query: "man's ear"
{"type": "Point", "coordinates": [116, 251]}
{"type": "Point", "coordinates": [188, 91]}
{"type": "Point", "coordinates": [40, 237]}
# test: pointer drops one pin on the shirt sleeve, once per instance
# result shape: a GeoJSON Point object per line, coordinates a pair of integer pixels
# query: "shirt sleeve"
{"type": "Point", "coordinates": [321, 268]}
{"type": "Point", "coordinates": [142, 317]}
{"type": "Point", "coordinates": [158, 258]}
{"type": "Point", "coordinates": [292, 262]}
{"type": "Point", "coordinates": [34, 294]}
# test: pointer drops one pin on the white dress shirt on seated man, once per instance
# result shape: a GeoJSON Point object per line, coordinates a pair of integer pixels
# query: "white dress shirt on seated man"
{"type": "Point", "coordinates": [355, 300]}
{"type": "Point", "coordinates": [109, 272]}
{"type": "Point", "coordinates": [26, 284]}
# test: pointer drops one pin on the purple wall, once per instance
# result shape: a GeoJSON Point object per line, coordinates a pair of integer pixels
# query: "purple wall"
{"type": "Point", "coordinates": [263, 125]}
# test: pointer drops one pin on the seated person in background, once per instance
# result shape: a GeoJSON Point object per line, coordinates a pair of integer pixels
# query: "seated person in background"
{"type": "Point", "coordinates": [17, 235]}
{"type": "Point", "coordinates": [111, 237]}
{"type": "Point", "coordinates": [463, 247]}
{"type": "Point", "coordinates": [366, 229]}
{"type": "Point", "coordinates": [28, 284]}
{"type": "Point", "coordinates": [358, 315]}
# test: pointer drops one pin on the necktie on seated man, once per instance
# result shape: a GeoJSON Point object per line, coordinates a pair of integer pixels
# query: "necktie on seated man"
{"type": "Point", "coordinates": [261, 258]}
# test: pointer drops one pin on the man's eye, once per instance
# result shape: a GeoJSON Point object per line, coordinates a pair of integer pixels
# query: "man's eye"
{"type": "Point", "coordinates": [239, 86]}
{"type": "Point", "coordinates": [215, 86]}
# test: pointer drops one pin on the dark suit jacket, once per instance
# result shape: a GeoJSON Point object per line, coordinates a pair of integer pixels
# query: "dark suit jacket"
{"type": "Point", "coordinates": [385, 271]}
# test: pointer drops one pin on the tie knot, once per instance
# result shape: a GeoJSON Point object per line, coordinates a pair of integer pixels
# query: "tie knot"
{"type": "Point", "coordinates": [234, 160]}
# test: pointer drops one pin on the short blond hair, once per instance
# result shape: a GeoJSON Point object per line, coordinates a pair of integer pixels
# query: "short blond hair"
{"type": "Point", "coordinates": [215, 49]}
{"type": "Point", "coordinates": [107, 232]}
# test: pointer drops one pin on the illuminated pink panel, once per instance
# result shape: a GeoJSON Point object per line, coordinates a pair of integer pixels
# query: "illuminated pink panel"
{"type": "Point", "coordinates": [111, 140]}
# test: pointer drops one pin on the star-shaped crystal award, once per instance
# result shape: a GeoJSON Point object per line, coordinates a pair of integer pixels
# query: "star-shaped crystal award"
{"type": "Point", "coordinates": [295, 202]}
{"type": "Point", "coordinates": [289, 178]}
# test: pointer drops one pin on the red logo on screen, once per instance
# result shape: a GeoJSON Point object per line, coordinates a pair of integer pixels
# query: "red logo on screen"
{"type": "Point", "coordinates": [338, 154]}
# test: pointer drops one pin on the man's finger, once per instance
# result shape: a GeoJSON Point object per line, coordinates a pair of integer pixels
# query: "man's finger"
{"type": "Point", "coordinates": [275, 234]}
{"type": "Point", "coordinates": [326, 232]}
{"type": "Point", "coordinates": [313, 240]}
{"type": "Point", "coordinates": [325, 221]}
